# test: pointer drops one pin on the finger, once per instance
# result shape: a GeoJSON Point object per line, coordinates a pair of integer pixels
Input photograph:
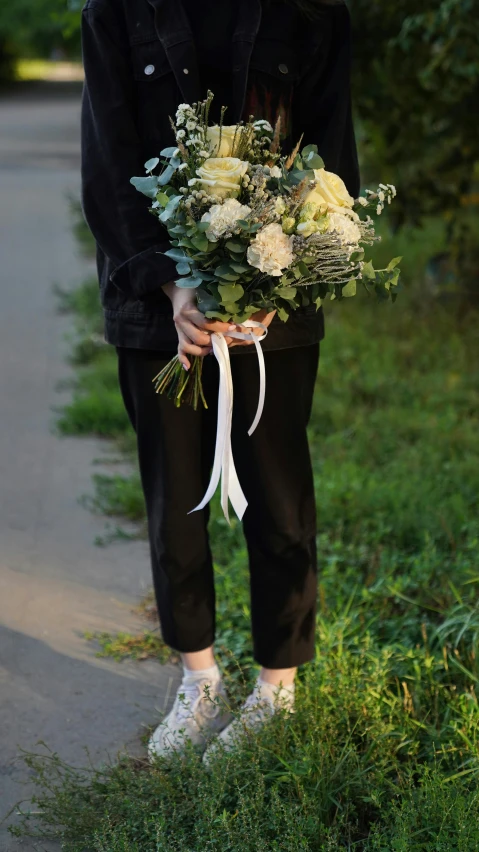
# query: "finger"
{"type": "Point", "coordinates": [198, 319]}
{"type": "Point", "coordinates": [194, 334]}
{"type": "Point", "coordinates": [185, 363]}
{"type": "Point", "coordinates": [187, 348]}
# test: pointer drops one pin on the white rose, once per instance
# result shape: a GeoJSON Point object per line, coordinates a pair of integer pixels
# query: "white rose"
{"type": "Point", "coordinates": [223, 148]}
{"type": "Point", "coordinates": [222, 218]}
{"type": "Point", "coordinates": [222, 176]}
{"type": "Point", "coordinates": [275, 172]}
{"type": "Point", "coordinates": [329, 193]}
{"type": "Point", "coordinates": [271, 251]}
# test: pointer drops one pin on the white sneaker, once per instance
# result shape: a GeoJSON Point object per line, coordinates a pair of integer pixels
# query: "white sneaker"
{"type": "Point", "coordinates": [256, 710]}
{"type": "Point", "coordinates": [196, 715]}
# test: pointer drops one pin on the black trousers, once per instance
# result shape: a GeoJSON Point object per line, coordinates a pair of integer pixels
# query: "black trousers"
{"type": "Point", "coordinates": [176, 449]}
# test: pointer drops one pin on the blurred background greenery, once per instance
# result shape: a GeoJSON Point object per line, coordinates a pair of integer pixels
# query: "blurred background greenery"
{"type": "Point", "coordinates": [383, 752]}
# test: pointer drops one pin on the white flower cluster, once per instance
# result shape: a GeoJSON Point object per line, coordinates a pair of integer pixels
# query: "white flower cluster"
{"type": "Point", "coordinates": [223, 218]}
{"type": "Point", "coordinates": [262, 126]}
{"type": "Point", "coordinates": [385, 194]}
{"type": "Point", "coordinates": [185, 113]}
{"type": "Point", "coordinates": [271, 251]}
{"type": "Point", "coordinates": [190, 133]}
{"type": "Point", "coordinates": [348, 231]}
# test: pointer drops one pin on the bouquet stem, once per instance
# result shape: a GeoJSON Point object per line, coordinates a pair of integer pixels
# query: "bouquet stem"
{"type": "Point", "coordinates": [182, 385]}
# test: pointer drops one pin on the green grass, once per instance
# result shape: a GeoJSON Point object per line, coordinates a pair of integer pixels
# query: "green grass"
{"type": "Point", "coordinates": [382, 754]}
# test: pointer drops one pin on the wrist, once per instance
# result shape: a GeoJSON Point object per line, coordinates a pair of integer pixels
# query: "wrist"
{"type": "Point", "coordinates": [169, 288]}
{"type": "Point", "coordinates": [181, 298]}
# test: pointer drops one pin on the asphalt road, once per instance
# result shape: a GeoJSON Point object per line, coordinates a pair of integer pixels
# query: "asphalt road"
{"type": "Point", "coordinates": [54, 582]}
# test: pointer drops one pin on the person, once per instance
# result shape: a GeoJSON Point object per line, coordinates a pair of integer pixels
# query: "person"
{"type": "Point", "coordinates": [267, 58]}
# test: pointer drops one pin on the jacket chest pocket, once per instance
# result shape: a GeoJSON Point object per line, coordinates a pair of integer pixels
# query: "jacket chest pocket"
{"type": "Point", "coordinates": [156, 94]}
{"type": "Point", "coordinates": [276, 59]}
{"type": "Point", "coordinates": [149, 60]}
{"type": "Point", "coordinates": [274, 72]}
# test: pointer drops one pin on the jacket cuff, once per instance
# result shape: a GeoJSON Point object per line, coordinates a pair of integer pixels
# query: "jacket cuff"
{"type": "Point", "coordinates": [144, 274]}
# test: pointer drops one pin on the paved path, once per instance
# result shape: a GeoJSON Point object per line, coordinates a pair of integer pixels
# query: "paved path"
{"type": "Point", "coordinates": [54, 582]}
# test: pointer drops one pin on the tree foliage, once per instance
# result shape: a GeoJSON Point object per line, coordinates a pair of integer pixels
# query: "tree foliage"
{"type": "Point", "coordinates": [416, 91]}
{"type": "Point", "coordinates": [35, 27]}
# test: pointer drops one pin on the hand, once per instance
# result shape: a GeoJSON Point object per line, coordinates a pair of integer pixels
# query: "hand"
{"type": "Point", "coordinates": [194, 330]}
{"type": "Point", "coordinates": [264, 318]}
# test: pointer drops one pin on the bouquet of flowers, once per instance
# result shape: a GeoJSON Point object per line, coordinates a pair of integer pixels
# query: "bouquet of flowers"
{"type": "Point", "coordinates": [251, 229]}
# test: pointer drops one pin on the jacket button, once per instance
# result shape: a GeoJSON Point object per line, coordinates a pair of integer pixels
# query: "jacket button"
{"type": "Point", "coordinates": [149, 70]}
{"type": "Point", "coordinates": [185, 71]}
{"type": "Point", "coordinates": [283, 68]}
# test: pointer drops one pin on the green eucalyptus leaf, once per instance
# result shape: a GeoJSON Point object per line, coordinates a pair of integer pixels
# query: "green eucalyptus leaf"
{"type": "Point", "coordinates": [206, 301]}
{"type": "Point", "coordinates": [283, 314]}
{"type": "Point", "coordinates": [240, 267]}
{"type": "Point", "coordinates": [183, 268]}
{"type": "Point", "coordinates": [368, 270]}
{"type": "Point", "coordinates": [235, 246]}
{"type": "Point", "coordinates": [170, 208]}
{"type": "Point", "coordinates": [296, 176]}
{"type": "Point", "coordinates": [303, 268]}
{"type": "Point", "coordinates": [168, 152]}
{"type": "Point", "coordinates": [349, 289]}
{"type": "Point", "coordinates": [189, 282]}
{"type": "Point", "coordinates": [146, 185]}
{"type": "Point", "coordinates": [200, 242]}
{"type": "Point", "coordinates": [176, 254]}
{"type": "Point", "coordinates": [382, 293]}
{"type": "Point", "coordinates": [152, 164]}
{"type": "Point", "coordinates": [227, 276]}
{"type": "Point", "coordinates": [206, 276]}
{"type": "Point", "coordinates": [286, 292]}
{"type": "Point", "coordinates": [230, 292]}
{"type": "Point", "coordinates": [166, 176]}
{"type": "Point", "coordinates": [316, 162]}
{"type": "Point", "coordinates": [309, 149]}
{"type": "Point", "coordinates": [223, 269]}
{"type": "Point", "coordinates": [356, 256]}
{"type": "Point", "coordinates": [393, 263]}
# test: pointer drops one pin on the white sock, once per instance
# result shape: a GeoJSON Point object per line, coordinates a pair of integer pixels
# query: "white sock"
{"type": "Point", "coordinates": [283, 694]}
{"type": "Point", "coordinates": [211, 674]}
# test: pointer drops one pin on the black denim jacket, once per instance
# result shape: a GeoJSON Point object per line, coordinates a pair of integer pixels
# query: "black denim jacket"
{"type": "Point", "coordinates": [140, 63]}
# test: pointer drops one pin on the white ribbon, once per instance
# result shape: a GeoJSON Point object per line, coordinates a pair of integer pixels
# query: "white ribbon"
{"type": "Point", "coordinates": [223, 465]}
